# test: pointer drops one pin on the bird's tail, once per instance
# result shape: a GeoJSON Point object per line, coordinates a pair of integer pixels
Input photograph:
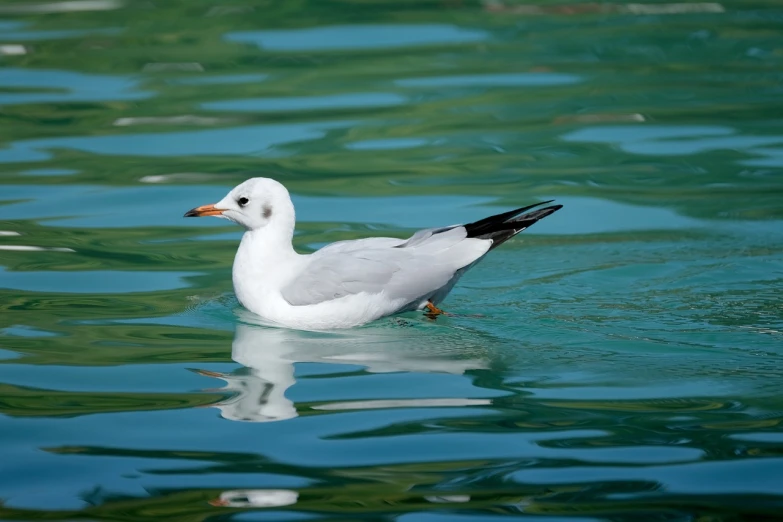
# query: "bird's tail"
{"type": "Point", "coordinates": [502, 227]}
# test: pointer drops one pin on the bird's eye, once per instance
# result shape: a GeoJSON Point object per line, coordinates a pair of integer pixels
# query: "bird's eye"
{"type": "Point", "coordinates": [242, 201]}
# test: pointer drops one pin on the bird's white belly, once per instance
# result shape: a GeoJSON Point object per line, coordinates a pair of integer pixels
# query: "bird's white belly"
{"type": "Point", "coordinates": [346, 312]}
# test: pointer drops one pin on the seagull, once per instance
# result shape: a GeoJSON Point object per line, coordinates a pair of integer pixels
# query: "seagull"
{"type": "Point", "coordinates": [349, 283]}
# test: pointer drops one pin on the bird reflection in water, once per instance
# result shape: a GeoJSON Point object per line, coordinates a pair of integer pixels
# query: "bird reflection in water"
{"type": "Point", "coordinates": [266, 498]}
{"type": "Point", "coordinates": [256, 498]}
{"type": "Point", "coordinates": [268, 354]}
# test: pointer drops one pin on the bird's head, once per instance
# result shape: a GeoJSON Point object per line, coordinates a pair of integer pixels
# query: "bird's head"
{"type": "Point", "coordinates": [253, 204]}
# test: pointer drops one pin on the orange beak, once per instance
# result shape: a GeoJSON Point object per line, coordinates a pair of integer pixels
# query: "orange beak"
{"type": "Point", "coordinates": [204, 210]}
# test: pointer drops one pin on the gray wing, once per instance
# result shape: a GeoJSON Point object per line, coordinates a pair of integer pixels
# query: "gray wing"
{"type": "Point", "coordinates": [403, 269]}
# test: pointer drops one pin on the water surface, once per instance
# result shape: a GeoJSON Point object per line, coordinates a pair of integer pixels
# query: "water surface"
{"type": "Point", "coordinates": [619, 361]}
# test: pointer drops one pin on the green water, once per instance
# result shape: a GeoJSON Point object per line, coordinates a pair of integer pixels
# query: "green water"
{"type": "Point", "coordinates": [627, 361]}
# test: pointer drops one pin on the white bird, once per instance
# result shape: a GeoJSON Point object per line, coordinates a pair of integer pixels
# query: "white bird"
{"type": "Point", "coordinates": [348, 283]}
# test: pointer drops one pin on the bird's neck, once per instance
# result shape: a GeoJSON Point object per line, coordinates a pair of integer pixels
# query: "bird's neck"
{"type": "Point", "coordinates": [263, 263]}
{"type": "Point", "coordinates": [265, 247]}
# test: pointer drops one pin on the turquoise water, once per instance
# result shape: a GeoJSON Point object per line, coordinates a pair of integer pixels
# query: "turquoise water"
{"type": "Point", "coordinates": [621, 360]}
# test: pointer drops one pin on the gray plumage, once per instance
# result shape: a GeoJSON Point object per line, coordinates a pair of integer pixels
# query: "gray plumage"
{"type": "Point", "coordinates": [423, 267]}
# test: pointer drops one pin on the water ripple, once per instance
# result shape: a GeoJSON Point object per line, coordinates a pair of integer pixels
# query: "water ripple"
{"type": "Point", "coordinates": [359, 37]}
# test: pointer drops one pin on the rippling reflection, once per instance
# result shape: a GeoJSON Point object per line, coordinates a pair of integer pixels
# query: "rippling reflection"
{"type": "Point", "coordinates": [72, 87]}
{"type": "Point", "coordinates": [358, 37]}
{"type": "Point", "coordinates": [235, 140]}
{"type": "Point", "coordinates": [263, 498]}
{"type": "Point", "coordinates": [269, 354]}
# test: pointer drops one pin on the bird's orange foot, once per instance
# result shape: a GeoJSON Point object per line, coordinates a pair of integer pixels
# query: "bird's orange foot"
{"type": "Point", "coordinates": [433, 311]}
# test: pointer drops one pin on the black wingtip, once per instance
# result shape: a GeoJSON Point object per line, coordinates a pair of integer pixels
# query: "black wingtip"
{"type": "Point", "coordinates": [522, 222]}
{"type": "Point", "coordinates": [497, 222]}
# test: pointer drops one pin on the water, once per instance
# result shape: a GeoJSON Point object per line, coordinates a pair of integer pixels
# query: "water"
{"type": "Point", "coordinates": [628, 362]}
